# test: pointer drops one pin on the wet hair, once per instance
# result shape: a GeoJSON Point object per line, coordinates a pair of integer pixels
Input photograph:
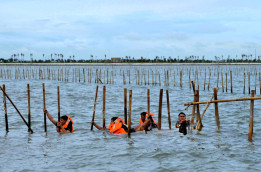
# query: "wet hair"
{"type": "Point", "coordinates": [114, 118]}
{"type": "Point", "coordinates": [143, 114]}
{"type": "Point", "coordinates": [182, 113]}
{"type": "Point", "coordinates": [64, 117]}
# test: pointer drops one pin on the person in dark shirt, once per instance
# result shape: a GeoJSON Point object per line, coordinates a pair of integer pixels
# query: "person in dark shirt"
{"type": "Point", "coordinates": [182, 123]}
{"type": "Point", "coordinates": [64, 126]}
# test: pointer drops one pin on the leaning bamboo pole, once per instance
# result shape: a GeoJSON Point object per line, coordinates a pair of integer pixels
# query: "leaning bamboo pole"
{"type": "Point", "coordinates": [16, 109]}
{"type": "Point", "coordinates": [222, 100]}
{"type": "Point", "coordinates": [94, 107]}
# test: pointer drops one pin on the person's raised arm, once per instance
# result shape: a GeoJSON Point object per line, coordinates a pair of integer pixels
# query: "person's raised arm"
{"type": "Point", "coordinates": [97, 126]}
{"type": "Point", "coordinates": [49, 116]}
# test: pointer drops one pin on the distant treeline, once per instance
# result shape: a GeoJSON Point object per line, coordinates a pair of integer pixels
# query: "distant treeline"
{"type": "Point", "coordinates": [127, 59]}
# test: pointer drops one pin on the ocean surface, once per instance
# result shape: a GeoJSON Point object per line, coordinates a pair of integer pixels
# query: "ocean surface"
{"type": "Point", "coordinates": [157, 150]}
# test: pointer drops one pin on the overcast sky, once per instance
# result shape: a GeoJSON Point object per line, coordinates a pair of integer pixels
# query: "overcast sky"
{"type": "Point", "coordinates": [135, 28]}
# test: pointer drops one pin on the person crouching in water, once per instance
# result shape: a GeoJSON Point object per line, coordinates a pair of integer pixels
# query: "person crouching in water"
{"type": "Point", "coordinates": [64, 126]}
{"type": "Point", "coordinates": [144, 117]}
{"type": "Point", "coordinates": [182, 123]}
{"type": "Point", "coordinates": [117, 126]}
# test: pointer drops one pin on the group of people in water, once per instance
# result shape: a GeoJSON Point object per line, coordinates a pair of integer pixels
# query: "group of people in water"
{"type": "Point", "coordinates": [117, 125]}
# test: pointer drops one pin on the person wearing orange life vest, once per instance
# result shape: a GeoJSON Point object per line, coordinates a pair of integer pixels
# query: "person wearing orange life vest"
{"type": "Point", "coordinates": [64, 126]}
{"type": "Point", "coordinates": [182, 123]}
{"type": "Point", "coordinates": [117, 126]}
{"type": "Point", "coordinates": [144, 116]}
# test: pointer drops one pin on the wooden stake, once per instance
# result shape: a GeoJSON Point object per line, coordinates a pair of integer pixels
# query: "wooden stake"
{"type": "Point", "coordinates": [5, 107]}
{"type": "Point", "coordinates": [125, 105]}
{"type": "Point", "coordinates": [231, 81]}
{"type": "Point", "coordinates": [167, 95]}
{"type": "Point", "coordinates": [29, 107]}
{"type": "Point", "coordinates": [58, 99]}
{"type": "Point", "coordinates": [44, 106]}
{"type": "Point", "coordinates": [248, 82]}
{"type": "Point", "coordinates": [16, 109]}
{"type": "Point", "coordinates": [129, 120]}
{"type": "Point", "coordinates": [226, 82]}
{"type": "Point", "coordinates": [251, 117]}
{"type": "Point", "coordinates": [160, 109]}
{"type": "Point", "coordinates": [244, 83]}
{"type": "Point", "coordinates": [103, 107]}
{"type": "Point", "coordinates": [216, 110]}
{"type": "Point", "coordinates": [94, 107]}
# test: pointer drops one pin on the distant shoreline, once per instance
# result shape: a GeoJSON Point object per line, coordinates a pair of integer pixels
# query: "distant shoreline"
{"type": "Point", "coordinates": [122, 64]}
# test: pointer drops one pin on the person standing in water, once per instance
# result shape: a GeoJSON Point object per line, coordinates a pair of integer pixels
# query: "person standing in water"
{"type": "Point", "coordinates": [64, 126]}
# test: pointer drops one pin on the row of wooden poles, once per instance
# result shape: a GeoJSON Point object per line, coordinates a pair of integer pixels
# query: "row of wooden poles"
{"type": "Point", "coordinates": [142, 77]}
{"type": "Point", "coordinates": [127, 113]}
{"type": "Point", "coordinates": [196, 103]}
{"type": "Point", "coordinates": [195, 108]}
{"type": "Point", "coordinates": [104, 101]}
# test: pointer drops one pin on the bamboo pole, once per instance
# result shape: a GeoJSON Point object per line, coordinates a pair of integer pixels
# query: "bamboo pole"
{"type": "Point", "coordinates": [194, 106]}
{"type": "Point", "coordinates": [260, 82]}
{"type": "Point", "coordinates": [248, 82]}
{"type": "Point", "coordinates": [216, 109]}
{"type": "Point", "coordinates": [222, 82]}
{"type": "Point", "coordinates": [29, 107]}
{"type": "Point", "coordinates": [167, 95]}
{"type": "Point", "coordinates": [209, 79]}
{"type": "Point", "coordinates": [255, 81]}
{"type": "Point", "coordinates": [103, 107]}
{"type": "Point", "coordinates": [199, 122]}
{"type": "Point", "coordinates": [160, 109]}
{"type": "Point", "coordinates": [125, 105]}
{"type": "Point", "coordinates": [16, 109]}
{"type": "Point", "coordinates": [5, 107]}
{"type": "Point", "coordinates": [94, 107]}
{"type": "Point", "coordinates": [58, 100]}
{"type": "Point", "coordinates": [226, 82]}
{"type": "Point", "coordinates": [251, 117]}
{"type": "Point", "coordinates": [231, 81]}
{"type": "Point", "coordinates": [44, 106]}
{"type": "Point", "coordinates": [224, 100]}
{"type": "Point", "coordinates": [148, 102]}
{"type": "Point", "coordinates": [244, 83]}
{"type": "Point", "coordinates": [205, 79]}
{"type": "Point", "coordinates": [129, 120]}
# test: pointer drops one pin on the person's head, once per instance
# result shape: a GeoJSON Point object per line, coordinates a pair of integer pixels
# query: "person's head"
{"type": "Point", "coordinates": [113, 119]}
{"type": "Point", "coordinates": [63, 119]}
{"type": "Point", "coordinates": [143, 116]}
{"type": "Point", "coordinates": [182, 116]}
